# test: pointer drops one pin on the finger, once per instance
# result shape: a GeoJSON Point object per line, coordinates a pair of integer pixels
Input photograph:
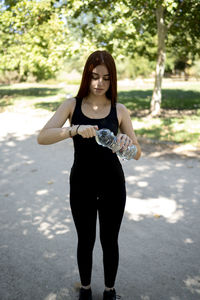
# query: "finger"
{"type": "Point", "coordinates": [87, 132]}
{"type": "Point", "coordinates": [123, 141]}
{"type": "Point", "coordinates": [91, 132]}
{"type": "Point", "coordinates": [128, 143]}
{"type": "Point", "coordinates": [119, 136]}
{"type": "Point", "coordinates": [84, 132]}
{"type": "Point", "coordinates": [94, 132]}
{"type": "Point", "coordinates": [125, 147]}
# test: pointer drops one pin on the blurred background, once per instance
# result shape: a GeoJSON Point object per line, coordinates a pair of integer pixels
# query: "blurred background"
{"type": "Point", "coordinates": [43, 48]}
{"type": "Point", "coordinates": [45, 43]}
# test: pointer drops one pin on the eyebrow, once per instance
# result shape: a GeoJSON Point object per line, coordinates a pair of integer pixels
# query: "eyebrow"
{"type": "Point", "coordinates": [98, 74]}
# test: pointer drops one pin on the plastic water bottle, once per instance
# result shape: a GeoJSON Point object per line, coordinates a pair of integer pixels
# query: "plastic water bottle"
{"type": "Point", "coordinates": [106, 138]}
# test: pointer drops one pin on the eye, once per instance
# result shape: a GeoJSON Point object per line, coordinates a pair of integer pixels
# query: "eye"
{"type": "Point", "coordinates": [95, 77]}
{"type": "Point", "coordinates": [106, 78]}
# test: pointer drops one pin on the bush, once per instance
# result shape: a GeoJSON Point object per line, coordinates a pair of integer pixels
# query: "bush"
{"type": "Point", "coordinates": [133, 68]}
{"type": "Point", "coordinates": [195, 69]}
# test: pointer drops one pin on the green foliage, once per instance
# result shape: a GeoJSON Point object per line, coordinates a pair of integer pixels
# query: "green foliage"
{"type": "Point", "coordinates": [134, 67]}
{"type": "Point", "coordinates": [38, 36]}
{"type": "Point", "coordinates": [129, 27]}
{"type": "Point", "coordinates": [32, 39]}
{"type": "Point", "coordinates": [195, 70]}
{"type": "Point", "coordinates": [126, 67]}
{"type": "Point", "coordinates": [111, 25]}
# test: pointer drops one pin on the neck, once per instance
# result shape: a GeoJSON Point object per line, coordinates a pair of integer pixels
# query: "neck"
{"type": "Point", "coordinates": [96, 100]}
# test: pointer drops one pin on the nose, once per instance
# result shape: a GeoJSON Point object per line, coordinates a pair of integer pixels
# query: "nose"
{"type": "Point", "coordinates": [100, 80]}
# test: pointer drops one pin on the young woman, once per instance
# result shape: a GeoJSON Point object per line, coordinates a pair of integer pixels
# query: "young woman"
{"type": "Point", "coordinates": [97, 184]}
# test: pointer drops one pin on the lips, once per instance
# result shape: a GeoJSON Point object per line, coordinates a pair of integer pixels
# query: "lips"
{"type": "Point", "coordinates": [98, 89]}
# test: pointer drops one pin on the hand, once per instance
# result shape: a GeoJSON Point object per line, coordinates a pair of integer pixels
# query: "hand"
{"type": "Point", "coordinates": [124, 141]}
{"type": "Point", "coordinates": [87, 131]}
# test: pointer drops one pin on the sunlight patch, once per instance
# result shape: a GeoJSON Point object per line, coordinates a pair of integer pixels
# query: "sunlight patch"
{"type": "Point", "coordinates": [51, 296]}
{"type": "Point", "coordinates": [49, 254]}
{"type": "Point", "coordinates": [10, 144]}
{"type": "Point", "coordinates": [42, 192]}
{"type": "Point", "coordinates": [142, 183]}
{"type": "Point", "coordinates": [188, 241]}
{"type": "Point", "coordinates": [193, 284]}
{"type": "Point", "coordinates": [131, 179]}
{"type": "Point", "coordinates": [45, 228]}
{"type": "Point", "coordinates": [162, 207]}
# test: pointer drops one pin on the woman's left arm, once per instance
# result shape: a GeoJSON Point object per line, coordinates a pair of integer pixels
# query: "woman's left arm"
{"type": "Point", "coordinates": [127, 136]}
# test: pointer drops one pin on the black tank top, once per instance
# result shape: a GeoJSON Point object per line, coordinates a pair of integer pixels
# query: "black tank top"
{"type": "Point", "coordinates": [86, 150]}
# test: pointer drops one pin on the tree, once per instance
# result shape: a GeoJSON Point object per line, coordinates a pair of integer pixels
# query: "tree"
{"type": "Point", "coordinates": [127, 27]}
{"type": "Point", "coordinates": [33, 38]}
{"type": "Point", "coordinates": [175, 18]}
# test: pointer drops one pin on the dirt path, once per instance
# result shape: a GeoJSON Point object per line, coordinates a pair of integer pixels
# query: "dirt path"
{"type": "Point", "coordinates": [159, 239]}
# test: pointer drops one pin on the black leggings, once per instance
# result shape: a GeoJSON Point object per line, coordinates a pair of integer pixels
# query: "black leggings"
{"type": "Point", "coordinates": [85, 203]}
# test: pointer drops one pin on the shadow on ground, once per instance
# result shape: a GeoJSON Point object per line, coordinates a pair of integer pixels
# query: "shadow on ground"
{"type": "Point", "coordinates": [159, 239]}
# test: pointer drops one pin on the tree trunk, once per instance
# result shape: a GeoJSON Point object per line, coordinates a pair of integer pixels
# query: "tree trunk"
{"type": "Point", "coordinates": [160, 66]}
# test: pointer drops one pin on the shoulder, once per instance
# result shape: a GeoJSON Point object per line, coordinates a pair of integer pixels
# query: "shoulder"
{"type": "Point", "coordinates": [67, 107]}
{"type": "Point", "coordinates": [71, 104]}
{"type": "Point", "coordinates": [122, 111]}
{"type": "Point", "coordinates": [68, 104]}
{"type": "Point", "coordinates": [121, 107]}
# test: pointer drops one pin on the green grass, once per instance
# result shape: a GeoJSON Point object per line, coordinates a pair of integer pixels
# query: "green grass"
{"type": "Point", "coordinates": [171, 99]}
{"type": "Point", "coordinates": [51, 106]}
{"type": "Point", "coordinates": [179, 123]}
{"type": "Point", "coordinates": [8, 94]}
{"type": "Point", "coordinates": [180, 99]}
{"type": "Point", "coordinates": [184, 130]}
{"type": "Point", "coordinates": [180, 118]}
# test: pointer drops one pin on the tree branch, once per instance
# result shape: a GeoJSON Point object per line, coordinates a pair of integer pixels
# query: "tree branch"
{"type": "Point", "coordinates": [178, 8]}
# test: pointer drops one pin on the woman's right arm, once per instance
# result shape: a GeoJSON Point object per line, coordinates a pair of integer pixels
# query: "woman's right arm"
{"type": "Point", "coordinates": [53, 132]}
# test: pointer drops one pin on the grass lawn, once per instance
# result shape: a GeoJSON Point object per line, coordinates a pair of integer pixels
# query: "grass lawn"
{"type": "Point", "coordinates": [179, 121]}
{"type": "Point", "coordinates": [180, 114]}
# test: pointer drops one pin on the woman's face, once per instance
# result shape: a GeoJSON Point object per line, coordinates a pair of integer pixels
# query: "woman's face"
{"type": "Point", "coordinates": [100, 81]}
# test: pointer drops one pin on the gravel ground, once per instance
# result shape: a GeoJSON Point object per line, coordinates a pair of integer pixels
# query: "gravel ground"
{"type": "Point", "coordinates": [159, 238]}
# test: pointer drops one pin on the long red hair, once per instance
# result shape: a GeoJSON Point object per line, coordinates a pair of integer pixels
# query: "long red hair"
{"type": "Point", "coordinates": [99, 58]}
